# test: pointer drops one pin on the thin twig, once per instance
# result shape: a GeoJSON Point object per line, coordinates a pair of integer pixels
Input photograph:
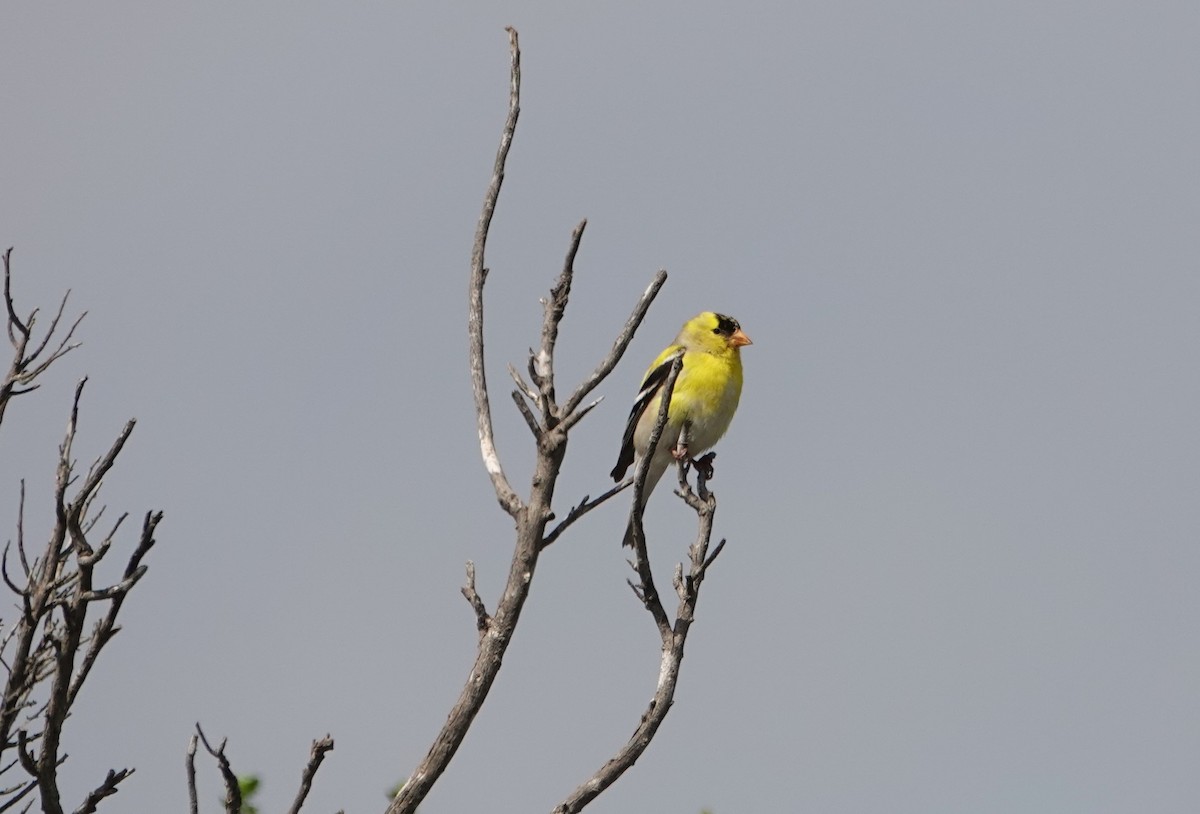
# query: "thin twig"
{"type": "Point", "coordinates": [316, 755]}
{"type": "Point", "coordinates": [530, 419]}
{"type": "Point", "coordinates": [14, 321]}
{"type": "Point", "coordinates": [554, 307]}
{"type": "Point", "coordinates": [233, 792]}
{"type": "Point", "coordinates": [619, 345]}
{"type": "Point", "coordinates": [19, 796]}
{"type": "Point", "coordinates": [106, 628]}
{"type": "Point", "coordinates": [524, 388]}
{"type": "Point", "coordinates": [101, 467]}
{"type": "Point", "coordinates": [583, 507]}
{"type": "Point", "coordinates": [16, 589]}
{"type": "Point", "coordinates": [482, 620]}
{"type": "Point", "coordinates": [64, 346]}
{"type": "Point", "coordinates": [21, 532]}
{"type": "Point", "coordinates": [577, 416]}
{"type": "Point", "coordinates": [105, 789]}
{"type": "Point", "coordinates": [27, 365]}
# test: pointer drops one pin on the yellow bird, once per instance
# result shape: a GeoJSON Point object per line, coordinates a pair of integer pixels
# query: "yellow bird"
{"type": "Point", "coordinates": [705, 397]}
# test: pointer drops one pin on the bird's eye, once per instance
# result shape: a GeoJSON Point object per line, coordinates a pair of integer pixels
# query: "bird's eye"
{"type": "Point", "coordinates": [725, 325]}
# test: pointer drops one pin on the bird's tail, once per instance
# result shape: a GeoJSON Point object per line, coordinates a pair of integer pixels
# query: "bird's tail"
{"type": "Point", "coordinates": [628, 541]}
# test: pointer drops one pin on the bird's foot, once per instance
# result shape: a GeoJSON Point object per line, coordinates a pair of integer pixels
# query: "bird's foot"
{"type": "Point", "coordinates": [679, 452]}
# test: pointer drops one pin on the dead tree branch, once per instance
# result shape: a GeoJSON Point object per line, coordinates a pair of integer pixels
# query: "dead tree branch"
{"type": "Point", "coordinates": [549, 422]}
{"type": "Point", "coordinates": [233, 792]}
{"type": "Point", "coordinates": [65, 619]}
{"type": "Point", "coordinates": [645, 590]}
{"type": "Point", "coordinates": [673, 635]}
{"type": "Point", "coordinates": [28, 363]}
{"type": "Point", "coordinates": [315, 756]}
{"type": "Point", "coordinates": [583, 507]}
{"type": "Point", "coordinates": [483, 411]}
{"type": "Point", "coordinates": [105, 789]}
{"type": "Point", "coordinates": [190, 765]}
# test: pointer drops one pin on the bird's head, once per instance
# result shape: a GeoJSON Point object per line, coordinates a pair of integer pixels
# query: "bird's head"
{"type": "Point", "coordinates": [713, 333]}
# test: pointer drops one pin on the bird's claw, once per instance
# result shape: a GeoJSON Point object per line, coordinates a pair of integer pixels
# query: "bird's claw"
{"type": "Point", "coordinates": [704, 465]}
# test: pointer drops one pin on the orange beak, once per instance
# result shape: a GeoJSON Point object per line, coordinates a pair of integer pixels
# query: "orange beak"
{"type": "Point", "coordinates": [739, 339]}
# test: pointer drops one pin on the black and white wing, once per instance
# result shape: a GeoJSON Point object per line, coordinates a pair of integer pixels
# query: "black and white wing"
{"type": "Point", "coordinates": [650, 387]}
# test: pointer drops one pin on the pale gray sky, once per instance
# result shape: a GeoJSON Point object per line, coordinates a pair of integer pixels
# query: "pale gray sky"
{"type": "Point", "coordinates": [961, 493]}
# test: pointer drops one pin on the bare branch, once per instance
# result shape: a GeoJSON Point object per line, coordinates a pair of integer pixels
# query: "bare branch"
{"type": "Point", "coordinates": [673, 637]}
{"type": "Point", "coordinates": [117, 589]}
{"type": "Point", "coordinates": [530, 517]}
{"type": "Point", "coordinates": [103, 464]}
{"type": "Point", "coordinates": [46, 653]}
{"type": "Point", "coordinates": [19, 591]}
{"type": "Point", "coordinates": [530, 419]}
{"type": "Point", "coordinates": [105, 789]}
{"type": "Point", "coordinates": [524, 388]}
{"type": "Point", "coordinates": [483, 411]}
{"type": "Point", "coordinates": [619, 345]}
{"type": "Point", "coordinates": [28, 364]}
{"type": "Point", "coordinates": [14, 321]}
{"type": "Point", "coordinates": [18, 796]}
{"type": "Point", "coordinates": [193, 796]}
{"type": "Point", "coordinates": [554, 307]}
{"type": "Point", "coordinates": [62, 349]}
{"type": "Point", "coordinates": [532, 514]}
{"type": "Point", "coordinates": [21, 530]}
{"type": "Point", "coordinates": [712, 557]}
{"type": "Point", "coordinates": [583, 507]}
{"type": "Point", "coordinates": [233, 792]}
{"type": "Point", "coordinates": [641, 561]}
{"type": "Point", "coordinates": [26, 757]}
{"type": "Point", "coordinates": [577, 416]}
{"type": "Point", "coordinates": [106, 628]}
{"type": "Point", "coordinates": [482, 620]}
{"type": "Point", "coordinates": [316, 755]}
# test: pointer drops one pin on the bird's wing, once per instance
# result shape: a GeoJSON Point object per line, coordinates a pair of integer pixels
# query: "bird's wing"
{"type": "Point", "coordinates": [650, 387]}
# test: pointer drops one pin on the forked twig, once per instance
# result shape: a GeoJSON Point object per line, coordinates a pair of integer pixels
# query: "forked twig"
{"type": "Point", "coordinates": [233, 792]}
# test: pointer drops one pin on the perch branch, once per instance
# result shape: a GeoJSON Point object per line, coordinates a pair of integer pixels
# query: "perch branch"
{"type": "Point", "coordinates": [644, 588]}
{"type": "Point", "coordinates": [532, 513]}
{"type": "Point", "coordinates": [673, 636]}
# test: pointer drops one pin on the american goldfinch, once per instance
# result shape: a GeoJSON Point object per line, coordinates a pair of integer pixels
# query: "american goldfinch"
{"type": "Point", "coordinates": [705, 397]}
